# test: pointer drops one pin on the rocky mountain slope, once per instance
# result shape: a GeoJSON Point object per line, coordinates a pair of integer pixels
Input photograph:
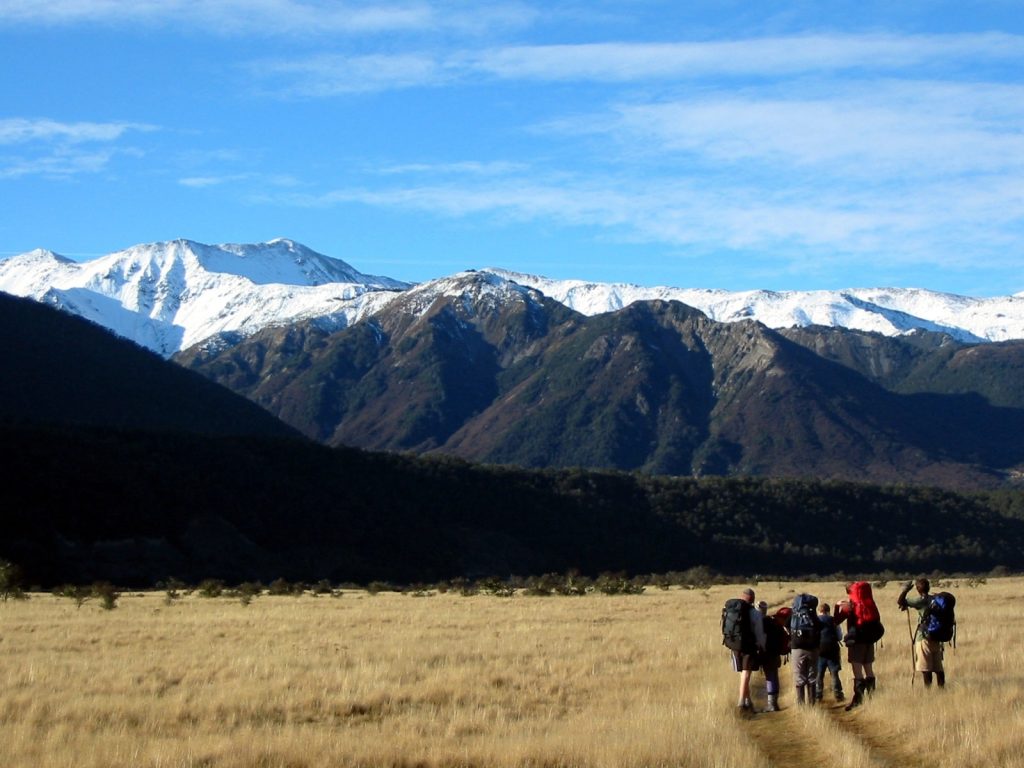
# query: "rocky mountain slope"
{"type": "Point", "coordinates": [486, 369]}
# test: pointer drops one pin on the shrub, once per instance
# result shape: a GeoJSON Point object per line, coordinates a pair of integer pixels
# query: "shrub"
{"type": "Point", "coordinates": [617, 584]}
{"type": "Point", "coordinates": [104, 592]}
{"type": "Point", "coordinates": [211, 588]}
{"type": "Point", "coordinates": [246, 591]}
{"type": "Point", "coordinates": [10, 582]}
{"type": "Point", "coordinates": [495, 586]}
{"type": "Point", "coordinates": [75, 592]}
{"type": "Point", "coordinates": [323, 587]}
{"type": "Point", "coordinates": [172, 590]}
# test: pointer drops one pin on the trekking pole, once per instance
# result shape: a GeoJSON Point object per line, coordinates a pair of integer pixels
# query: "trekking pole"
{"type": "Point", "coordinates": [913, 652]}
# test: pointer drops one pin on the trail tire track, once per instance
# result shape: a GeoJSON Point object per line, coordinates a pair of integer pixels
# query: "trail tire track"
{"type": "Point", "coordinates": [786, 739]}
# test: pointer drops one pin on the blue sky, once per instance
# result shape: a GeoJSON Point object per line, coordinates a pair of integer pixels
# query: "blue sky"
{"type": "Point", "coordinates": [722, 144]}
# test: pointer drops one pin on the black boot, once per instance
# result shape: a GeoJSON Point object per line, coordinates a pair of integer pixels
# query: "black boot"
{"type": "Point", "coordinates": [858, 695]}
{"type": "Point", "coordinates": [869, 685]}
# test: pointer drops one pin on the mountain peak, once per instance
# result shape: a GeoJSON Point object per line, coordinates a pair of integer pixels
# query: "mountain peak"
{"type": "Point", "coordinates": [169, 295]}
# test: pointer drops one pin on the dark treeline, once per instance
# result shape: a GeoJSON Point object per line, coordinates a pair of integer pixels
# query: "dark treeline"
{"type": "Point", "coordinates": [136, 508]}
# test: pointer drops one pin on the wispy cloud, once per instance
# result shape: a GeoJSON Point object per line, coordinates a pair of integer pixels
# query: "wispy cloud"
{"type": "Point", "coordinates": [217, 180]}
{"type": "Point", "coordinates": [57, 149]}
{"type": "Point", "coordinates": [755, 60]}
{"type": "Point", "coordinates": [332, 75]}
{"type": "Point", "coordinates": [769, 56]}
{"type": "Point", "coordinates": [941, 224]}
{"type": "Point", "coordinates": [18, 130]}
{"type": "Point", "coordinates": [912, 130]}
{"type": "Point", "coordinates": [274, 17]}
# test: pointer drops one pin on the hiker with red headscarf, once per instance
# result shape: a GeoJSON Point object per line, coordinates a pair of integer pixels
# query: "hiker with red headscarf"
{"type": "Point", "coordinates": [863, 629]}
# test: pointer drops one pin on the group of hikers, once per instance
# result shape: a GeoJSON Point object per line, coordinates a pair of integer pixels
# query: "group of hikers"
{"type": "Point", "coordinates": [811, 635]}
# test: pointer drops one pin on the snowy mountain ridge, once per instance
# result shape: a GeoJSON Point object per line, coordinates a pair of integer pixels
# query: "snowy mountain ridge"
{"type": "Point", "coordinates": [171, 295]}
{"type": "Point", "coordinates": [889, 311]}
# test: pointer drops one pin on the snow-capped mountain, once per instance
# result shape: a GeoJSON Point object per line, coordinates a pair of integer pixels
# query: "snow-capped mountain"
{"type": "Point", "coordinates": [169, 296]}
{"type": "Point", "coordinates": [889, 311]}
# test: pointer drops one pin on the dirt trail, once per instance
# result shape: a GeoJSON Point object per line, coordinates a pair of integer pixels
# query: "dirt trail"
{"type": "Point", "coordinates": [787, 739]}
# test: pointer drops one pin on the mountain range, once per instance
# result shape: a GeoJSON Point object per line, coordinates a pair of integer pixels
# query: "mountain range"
{"type": "Point", "coordinates": [173, 295]}
{"type": "Point", "coordinates": [879, 386]}
{"type": "Point", "coordinates": [118, 464]}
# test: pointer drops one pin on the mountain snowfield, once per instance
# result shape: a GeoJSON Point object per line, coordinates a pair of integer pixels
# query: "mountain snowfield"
{"type": "Point", "coordinates": [172, 295]}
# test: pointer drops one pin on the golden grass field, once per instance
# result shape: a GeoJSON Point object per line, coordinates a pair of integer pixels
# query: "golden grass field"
{"type": "Point", "coordinates": [445, 680]}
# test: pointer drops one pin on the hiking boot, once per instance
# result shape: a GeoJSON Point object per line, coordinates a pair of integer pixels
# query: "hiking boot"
{"type": "Point", "coordinates": [858, 695]}
{"type": "Point", "coordinates": [838, 695]}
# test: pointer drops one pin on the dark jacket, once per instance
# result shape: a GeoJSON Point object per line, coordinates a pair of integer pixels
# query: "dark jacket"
{"type": "Point", "coordinates": [829, 646]}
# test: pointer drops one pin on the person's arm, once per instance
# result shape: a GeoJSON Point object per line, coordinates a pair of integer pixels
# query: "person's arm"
{"type": "Point", "coordinates": [840, 613]}
{"type": "Point", "coordinates": [902, 601]}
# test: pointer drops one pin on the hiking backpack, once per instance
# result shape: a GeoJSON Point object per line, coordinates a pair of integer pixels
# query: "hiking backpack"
{"type": "Point", "coordinates": [939, 619]}
{"type": "Point", "coordinates": [867, 621]}
{"type": "Point", "coordinates": [737, 633]}
{"type": "Point", "coordinates": [804, 629]}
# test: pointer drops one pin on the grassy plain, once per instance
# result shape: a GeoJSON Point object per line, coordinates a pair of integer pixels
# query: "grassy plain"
{"type": "Point", "coordinates": [445, 680]}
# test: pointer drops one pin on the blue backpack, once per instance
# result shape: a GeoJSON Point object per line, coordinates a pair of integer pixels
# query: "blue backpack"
{"type": "Point", "coordinates": [804, 627]}
{"type": "Point", "coordinates": [939, 620]}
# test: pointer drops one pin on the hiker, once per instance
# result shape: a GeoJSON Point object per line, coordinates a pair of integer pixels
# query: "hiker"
{"type": "Point", "coordinates": [804, 640]}
{"type": "Point", "coordinates": [743, 635]}
{"type": "Point", "coordinates": [927, 651]}
{"type": "Point", "coordinates": [863, 629]}
{"type": "Point", "coordinates": [828, 654]}
{"type": "Point", "coordinates": [776, 632]}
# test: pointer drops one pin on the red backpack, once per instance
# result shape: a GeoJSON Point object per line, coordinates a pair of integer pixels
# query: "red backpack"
{"type": "Point", "coordinates": [864, 608]}
{"type": "Point", "coordinates": [866, 626]}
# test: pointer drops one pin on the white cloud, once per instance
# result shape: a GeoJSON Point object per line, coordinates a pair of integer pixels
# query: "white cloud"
{"type": "Point", "coordinates": [212, 180]}
{"type": "Point", "coordinates": [941, 224]}
{"type": "Point", "coordinates": [58, 164]}
{"type": "Point", "coordinates": [18, 130]}
{"type": "Point", "coordinates": [332, 75]}
{"type": "Point", "coordinates": [763, 60]}
{"type": "Point", "coordinates": [913, 130]}
{"type": "Point", "coordinates": [770, 56]}
{"type": "Point", "coordinates": [471, 168]}
{"type": "Point", "coordinates": [60, 150]}
{"type": "Point", "coordinates": [274, 17]}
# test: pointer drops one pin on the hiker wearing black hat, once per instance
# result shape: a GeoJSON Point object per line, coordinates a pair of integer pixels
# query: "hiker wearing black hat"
{"type": "Point", "coordinates": [927, 649]}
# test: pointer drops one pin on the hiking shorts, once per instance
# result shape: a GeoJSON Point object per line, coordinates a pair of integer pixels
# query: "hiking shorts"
{"type": "Point", "coordinates": [745, 662]}
{"type": "Point", "coordinates": [929, 655]}
{"type": "Point", "coordinates": [860, 653]}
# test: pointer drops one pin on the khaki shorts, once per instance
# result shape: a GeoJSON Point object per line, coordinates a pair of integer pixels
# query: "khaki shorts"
{"type": "Point", "coordinates": [861, 653]}
{"type": "Point", "coordinates": [929, 655]}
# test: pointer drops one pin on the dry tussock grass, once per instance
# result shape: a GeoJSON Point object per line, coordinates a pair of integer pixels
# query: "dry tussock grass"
{"type": "Point", "coordinates": [447, 681]}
